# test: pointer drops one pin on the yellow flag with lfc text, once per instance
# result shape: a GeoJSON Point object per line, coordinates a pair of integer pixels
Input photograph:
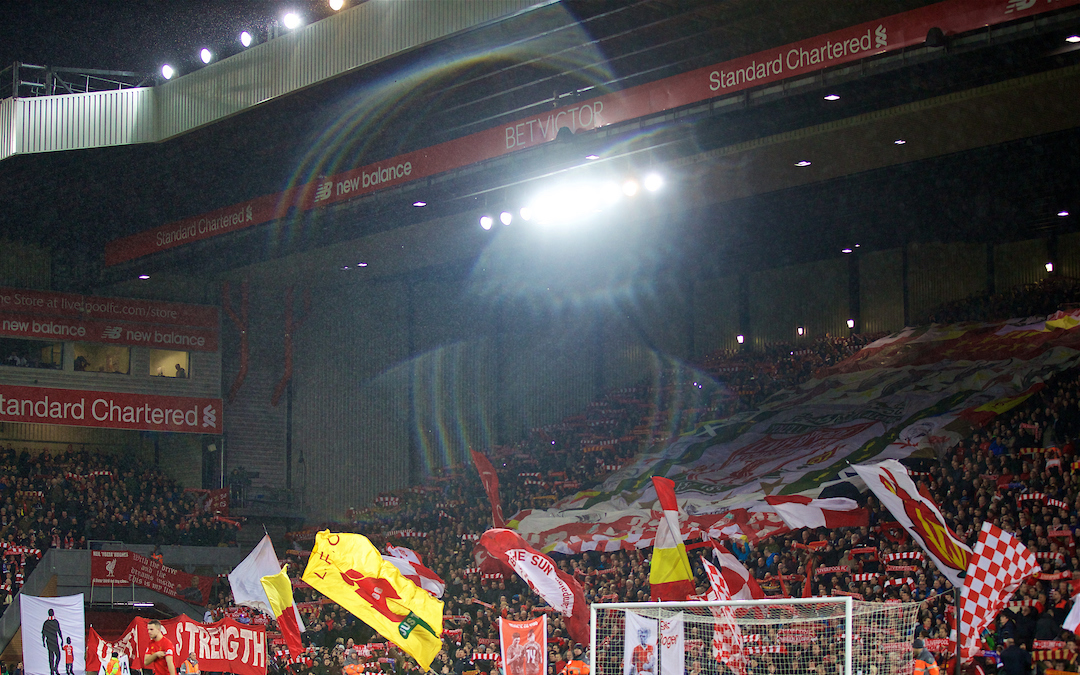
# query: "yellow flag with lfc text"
{"type": "Point", "coordinates": [349, 570]}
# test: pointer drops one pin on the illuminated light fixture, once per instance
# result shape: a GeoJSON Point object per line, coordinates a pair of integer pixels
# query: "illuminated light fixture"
{"type": "Point", "coordinates": [525, 213]}
{"type": "Point", "coordinates": [1063, 214]}
{"type": "Point", "coordinates": [206, 55]}
{"type": "Point", "coordinates": [832, 97]}
{"type": "Point", "coordinates": [1073, 39]}
{"type": "Point", "coordinates": [804, 162]}
{"type": "Point", "coordinates": [419, 203]}
{"type": "Point", "coordinates": [361, 264]}
{"type": "Point", "coordinates": [858, 245]}
{"type": "Point", "coordinates": [345, 267]}
{"type": "Point", "coordinates": [336, 4]}
{"type": "Point", "coordinates": [846, 250]}
{"type": "Point", "coordinates": [899, 141]}
{"type": "Point", "coordinates": [291, 20]}
{"type": "Point", "coordinates": [630, 188]}
{"type": "Point", "coordinates": [167, 71]}
{"type": "Point", "coordinates": [851, 323]}
{"type": "Point", "coordinates": [245, 39]}
{"type": "Point", "coordinates": [653, 182]}
{"type": "Point", "coordinates": [142, 604]}
{"type": "Point", "coordinates": [800, 330]}
{"type": "Point", "coordinates": [486, 222]}
{"type": "Point", "coordinates": [506, 217]}
{"type": "Point", "coordinates": [1049, 267]}
{"type": "Point", "coordinates": [144, 277]}
{"type": "Point", "coordinates": [592, 157]}
{"type": "Point", "coordinates": [611, 193]}
{"type": "Point", "coordinates": [740, 339]}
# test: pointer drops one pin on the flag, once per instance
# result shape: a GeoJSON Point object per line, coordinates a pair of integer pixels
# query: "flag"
{"type": "Point", "coordinates": [524, 646]}
{"type": "Point", "coordinates": [996, 569]}
{"type": "Point", "coordinates": [1072, 621]}
{"type": "Point", "coordinates": [403, 553]}
{"type": "Point", "coordinates": [349, 570]}
{"type": "Point", "coordinates": [920, 517]}
{"type": "Point", "coordinates": [727, 641]}
{"type": "Point", "coordinates": [557, 588]}
{"type": "Point", "coordinates": [669, 575]}
{"type": "Point", "coordinates": [249, 590]}
{"type": "Point", "coordinates": [639, 645]}
{"type": "Point", "coordinates": [798, 511]}
{"type": "Point", "coordinates": [740, 583]}
{"type": "Point", "coordinates": [491, 486]}
{"type": "Point", "coordinates": [672, 645]}
{"type": "Point", "coordinates": [418, 574]}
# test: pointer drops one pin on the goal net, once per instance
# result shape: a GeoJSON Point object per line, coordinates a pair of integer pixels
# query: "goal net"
{"type": "Point", "coordinates": [791, 636]}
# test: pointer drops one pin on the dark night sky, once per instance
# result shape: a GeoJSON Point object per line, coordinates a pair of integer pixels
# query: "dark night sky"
{"type": "Point", "coordinates": [134, 35]}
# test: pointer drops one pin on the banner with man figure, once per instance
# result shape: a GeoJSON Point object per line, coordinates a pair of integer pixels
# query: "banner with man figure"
{"type": "Point", "coordinates": [524, 646]}
{"type": "Point", "coordinates": [639, 645]}
{"type": "Point", "coordinates": [52, 635]}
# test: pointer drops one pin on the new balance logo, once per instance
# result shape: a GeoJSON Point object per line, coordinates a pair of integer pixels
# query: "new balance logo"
{"type": "Point", "coordinates": [324, 191]}
{"type": "Point", "coordinates": [1019, 5]}
{"type": "Point", "coordinates": [209, 417]}
{"type": "Point", "coordinates": [112, 332]}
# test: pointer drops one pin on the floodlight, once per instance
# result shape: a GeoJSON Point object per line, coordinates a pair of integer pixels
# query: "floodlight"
{"type": "Point", "coordinates": [337, 4]}
{"type": "Point", "coordinates": [845, 250]}
{"type": "Point", "coordinates": [419, 203]}
{"type": "Point", "coordinates": [630, 188]}
{"type": "Point", "coordinates": [1063, 214]}
{"type": "Point", "coordinates": [245, 39]}
{"type": "Point", "coordinates": [653, 182]}
{"type": "Point", "coordinates": [800, 330]}
{"type": "Point", "coordinates": [592, 157]}
{"type": "Point", "coordinates": [144, 277]}
{"type": "Point", "coordinates": [291, 20]}
{"type": "Point", "coordinates": [506, 217]}
{"type": "Point", "coordinates": [1073, 39]}
{"type": "Point", "coordinates": [804, 162]}
{"type": "Point", "coordinates": [740, 339]}
{"type": "Point", "coordinates": [1049, 267]}
{"type": "Point", "coordinates": [206, 55]}
{"type": "Point", "coordinates": [525, 213]}
{"type": "Point", "coordinates": [851, 323]}
{"type": "Point", "coordinates": [899, 141]}
{"type": "Point", "coordinates": [167, 71]}
{"type": "Point", "coordinates": [361, 264]}
{"type": "Point", "coordinates": [832, 97]}
{"type": "Point", "coordinates": [486, 222]}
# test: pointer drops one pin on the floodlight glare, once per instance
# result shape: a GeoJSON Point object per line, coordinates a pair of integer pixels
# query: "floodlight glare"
{"type": "Point", "coordinates": [832, 97]}
{"type": "Point", "coordinates": [144, 277]}
{"type": "Point", "coordinates": [245, 39]}
{"type": "Point", "coordinates": [486, 222]}
{"type": "Point", "coordinates": [804, 162]}
{"type": "Point", "coordinates": [206, 55]}
{"type": "Point", "coordinates": [291, 20]}
{"type": "Point", "coordinates": [899, 141]}
{"type": "Point", "coordinates": [506, 217]}
{"type": "Point", "coordinates": [337, 4]}
{"type": "Point", "coordinates": [418, 203]}
{"type": "Point", "coordinates": [851, 323]}
{"type": "Point", "coordinates": [630, 188]}
{"type": "Point", "coordinates": [1049, 267]}
{"type": "Point", "coordinates": [653, 182]}
{"type": "Point", "coordinates": [592, 157]}
{"type": "Point", "coordinates": [845, 250]}
{"type": "Point", "coordinates": [167, 71]}
{"type": "Point", "coordinates": [1063, 214]}
{"type": "Point", "coordinates": [800, 330]}
{"type": "Point", "coordinates": [1073, 39]}
{"type": "Point", "coordinates": [740, 339]}
{"type": "Point", "coordinates": [525, 213]}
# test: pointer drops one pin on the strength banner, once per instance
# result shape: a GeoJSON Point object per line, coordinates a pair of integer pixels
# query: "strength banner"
{"type": "Point", "coordinates": [224, 646]}
{"type": "Point", "coordinates": [639, 645]}
{"type": "Point", "coordinates": [126, 567]}
{"type": "Point", "coordinates": [523, 644]}
{"type": "Point", "coordinates": [52, 635]}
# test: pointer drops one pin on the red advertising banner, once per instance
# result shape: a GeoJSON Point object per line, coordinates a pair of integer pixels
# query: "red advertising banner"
{"type": "Point", "coordinates": [110, 410]}
{"type": "Point", "coordinates": [224, 646]}
{"type": "Point", "coordinates": [126, 568]}
{"type": "Point", "coordinates": [832, 49]}
{"type": "Point", "coordinates": [47, 303]}
{"type": "Point", "coordinates": [141, 335]}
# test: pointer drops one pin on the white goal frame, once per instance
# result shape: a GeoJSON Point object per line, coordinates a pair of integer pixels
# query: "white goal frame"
{"type": "Point", "coordinates": [846, 601]}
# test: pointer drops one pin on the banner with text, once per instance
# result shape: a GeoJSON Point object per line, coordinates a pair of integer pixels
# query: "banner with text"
{"type": "Point", "coordinates": [48, 303]}
{"type": "Point", "coordinates": [110, 410]}
{"type": "Point", "coordinates": [182, 338]}
{"type": "Point", "coordinates": [127, 567]}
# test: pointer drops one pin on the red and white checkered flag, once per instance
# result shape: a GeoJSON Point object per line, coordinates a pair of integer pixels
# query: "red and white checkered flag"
{"type": "Point", "coordinates": [996, 569]}
{"type": "Point", "coordinates": [727, 642]}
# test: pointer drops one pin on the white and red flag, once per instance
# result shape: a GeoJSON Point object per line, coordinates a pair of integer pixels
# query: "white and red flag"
{"type": "Point", "coordinates": [797, 511]}
{"type": "Point", "coordinates": [740, 583]}
{"type": "Point", "coordinates": [418, 574]}
{"type": "Point", "coordinates": [404, 553]}
{"type": "Point", "coordinates": [491, 485]}
{"type": "Point", "coordinates": [727, 641]}
{"type": "Point", "coordinates": [261, 583]}
{"type": "Point", "coordinates": [995, 570]}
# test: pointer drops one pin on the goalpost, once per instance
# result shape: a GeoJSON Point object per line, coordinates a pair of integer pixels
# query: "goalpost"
{"type": "Point", "coordinates": [788, 636]}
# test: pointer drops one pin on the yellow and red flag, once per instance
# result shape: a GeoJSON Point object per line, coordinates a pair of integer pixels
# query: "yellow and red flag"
{"type": "Point", "coordinates": [349, 570]}
{"type": "Point", "coordinates": [278, 589]}
{"type": "Point", "coordinates": [669, 575]}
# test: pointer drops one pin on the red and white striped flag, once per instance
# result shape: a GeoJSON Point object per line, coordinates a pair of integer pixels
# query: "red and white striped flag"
{"type": "Point", "coordinates": [740, 583]}
{"type": "Point", "coordinates": [798, 511]}
{"type": "Point", "coordinates": [418, 574]}
{"type": "Point", "coordinates": [727, 642]}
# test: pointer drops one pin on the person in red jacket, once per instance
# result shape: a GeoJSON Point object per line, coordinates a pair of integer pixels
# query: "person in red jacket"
{"type": "Point", "coordinates": [924, 663]}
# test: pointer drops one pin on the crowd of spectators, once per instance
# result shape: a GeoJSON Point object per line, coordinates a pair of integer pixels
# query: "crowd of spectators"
{"type": "Point", "coordinates": [1040, 299]}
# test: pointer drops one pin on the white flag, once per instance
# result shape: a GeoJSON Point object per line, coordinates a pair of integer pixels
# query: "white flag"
{"type": "Point", "coordinates": [246, 579]}
{"type": "Point", "coordinates": [672, 646]}
{"type": "Point", "coordinates": [53, 628]}
{"type": "Point", "coordinates": [639, 645]}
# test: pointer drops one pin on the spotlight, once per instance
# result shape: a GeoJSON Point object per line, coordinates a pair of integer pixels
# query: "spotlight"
{"type": "Point", "coordinates": [1073, 39]}
{"type": "Point", "coordinates": [337, 4]}
{"type": "Point", "coordinates": [291, 20]}
{"type": "Point", "coordinates": [144, 277]}
{"type": "Point", "coordinates": [361, 264]}
{"type": "Point", "coordinates": [245, 39]}
{"type": "Point", "coordinates": [419, 203]}
{"type": "Point", "coordinates": [345, 267]}
{"type": "Point", "coordinates": [846, 250]}
{"type": "Point", "coordinates": [803, 163]}
{"type": "Point", "coordinates": [851, 323]}
{"type": "Point", "coordinates": [653, 182]}
{"type": "Point", "coordinates": [486, 222]}
{"type": "Point", "coordinates": [740, 339]}
{"type": "Point", "coordinates": [1063, 214]}
{"type": "Point", "coordinates": [1049, 267]}
{"type": "Point", "coordinates": [630, 188]}
{"type": "Point", "coordinates": [206, 55]}
{"type": "Point", "coordinates": [525, 213]}
{"type": "Point", "coordinates": [832, 97]}
{"type": "Point", "coordinates": [899, 141]}
{"type": "Point", "coordinates": [591, 157]}
{"type": "Point", "coordinates": [167, 71]}
{"type": "Point", "coordinates": [506, 217]}
{"type": "Point", "coordinates": [800, 330]}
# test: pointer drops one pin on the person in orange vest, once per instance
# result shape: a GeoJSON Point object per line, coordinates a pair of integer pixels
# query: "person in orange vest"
{"type": "Point", "coordinates": [924, 663]}
{"type": "Point", "coordinates": [113, 666]}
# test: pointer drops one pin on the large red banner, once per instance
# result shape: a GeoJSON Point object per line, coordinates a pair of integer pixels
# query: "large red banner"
{"type": "Point", "coordinates": [825, 51]}
{"type": "Point", "coordinates": [47, 303]}
{"type": "Point", "coordinates": [126, 568]}
{"type": "Point", "coordinates": [223, 647]}
{"type": "Point", "coordinates": [110, 410]}
{"type": "Point", "coordinates": [137, 334]}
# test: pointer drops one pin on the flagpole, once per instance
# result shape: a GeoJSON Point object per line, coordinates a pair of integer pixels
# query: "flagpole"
{"type": "Point", "coordinates": [956, 611]}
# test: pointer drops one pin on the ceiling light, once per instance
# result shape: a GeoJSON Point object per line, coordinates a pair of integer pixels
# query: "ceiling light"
{"type": "Point", "coordinates": [845, 250]}
{"type": "Point", "coordinates": [486, 222]}
{"type": "Point", "coordinates": [291, 20]}
{"type": "Point", "coordinates": [506, 217]}
{"type": "Point", "coordinates": [803, 163]}
{"type": "Point", "coordinates": [245, 39]}
{"type": "Point", "coordinates": [1073, 39]}
{"type": "Point", "coordinates": [419, 203]}
{"type": "Point", "coordinates": [592, 156]}
{"type": "Point", "coordinates": [1063, 213]}
{"type": "Point", "coordinates": [653, 182]}
{"type": "Point", "coordinates": [167, 71]}
{"type": "Point", "coordinates": [1049, 267]}
{"type": "Point", "coordinates": [144, 277]}
{"type": "Point", "coordinates": [858, 245]}
{"type": "Point", "coordinates": [206, 55]}
{"type": "Point", "coordinates": [630, 188]}
{"type": "Point", "coordinates": [851, 323]}
{"type": "Point", "coordinates": [832, 97]}
{"type": "Point", "coordinates": [345, 267]}
{"type": "Point", "coordinates": [337, 4]}
{"type": "Point", "coordinates": [361, 264]}
{"type": "Point", "coordinates": [899, 141]}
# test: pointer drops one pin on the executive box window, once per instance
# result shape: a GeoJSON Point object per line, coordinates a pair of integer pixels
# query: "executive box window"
{"type": "Point", "coordinates": [31, 353]}
{"type": "Point", "coordinates": [94, 358]}
{"type": "Point", "coordinates": [166, 363]}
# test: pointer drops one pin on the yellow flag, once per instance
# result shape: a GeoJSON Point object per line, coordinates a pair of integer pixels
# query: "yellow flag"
{"type": "Point", "coordinates": [350, 571]}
